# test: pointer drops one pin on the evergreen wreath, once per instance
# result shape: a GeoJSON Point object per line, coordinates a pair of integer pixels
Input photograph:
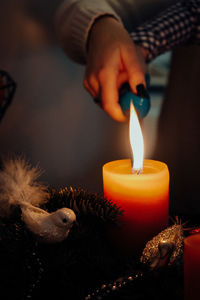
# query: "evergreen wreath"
{"type": "Point", "coordinates": [86, 264]}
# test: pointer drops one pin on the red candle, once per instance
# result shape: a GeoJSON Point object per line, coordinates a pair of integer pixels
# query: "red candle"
{"type": "Point", "coordinates": [192, 267]}
{"type": "Point", "coordinates": [143, 197]}
{"type": "Point", "coordinates": [142, 192]}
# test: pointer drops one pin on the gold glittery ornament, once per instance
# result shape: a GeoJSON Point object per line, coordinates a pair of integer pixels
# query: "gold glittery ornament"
{"type": "Point", "coordinates": [164, 248]}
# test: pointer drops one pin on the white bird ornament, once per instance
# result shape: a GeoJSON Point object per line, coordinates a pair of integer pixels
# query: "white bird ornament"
{"type": "Point", "coordinates": [18, 186]}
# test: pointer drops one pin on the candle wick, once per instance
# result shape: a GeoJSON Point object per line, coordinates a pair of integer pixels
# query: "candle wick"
{"type": "Point", "coordinates": [138, 172]}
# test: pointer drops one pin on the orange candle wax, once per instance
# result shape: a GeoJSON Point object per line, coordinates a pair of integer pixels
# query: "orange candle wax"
{"type": "Point", "coordinates": [144, 198]}
{"type": "Point", "coordinates": [192, 267]}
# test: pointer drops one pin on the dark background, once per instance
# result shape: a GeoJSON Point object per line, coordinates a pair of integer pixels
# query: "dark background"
{"type": "Point", "coordinates": [52, 120]}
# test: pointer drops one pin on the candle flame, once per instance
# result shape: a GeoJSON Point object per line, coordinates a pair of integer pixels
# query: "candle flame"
{"type": "Point", "coordinates": [136, 140]}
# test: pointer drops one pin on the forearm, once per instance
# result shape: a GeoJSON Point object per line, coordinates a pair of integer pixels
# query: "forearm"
{"type": "Point", "coordinates": [178, 25]}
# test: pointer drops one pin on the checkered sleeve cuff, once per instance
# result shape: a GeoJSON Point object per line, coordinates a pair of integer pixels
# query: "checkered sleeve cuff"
{"type": "Point", "coordinates": [178, 25]}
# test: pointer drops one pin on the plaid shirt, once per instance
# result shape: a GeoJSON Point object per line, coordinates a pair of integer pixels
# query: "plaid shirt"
{"type": "Point", "coordinates": [178, 25]}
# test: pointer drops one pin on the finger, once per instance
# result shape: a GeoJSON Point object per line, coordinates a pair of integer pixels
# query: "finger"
{"type": "Point", "coordinates": [122, 78]}
{"type": "Point", "coordinates": [109, 94]}
{"type": "Point", "coordinates": [89, 88]}
{"type": "Point", "coordinates": [94, 84]}
{"type": "Point", "coordinates": [134, 67]}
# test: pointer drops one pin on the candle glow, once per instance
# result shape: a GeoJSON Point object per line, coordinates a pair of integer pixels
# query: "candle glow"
{"type": "Point", "coordinates": [143, 196]}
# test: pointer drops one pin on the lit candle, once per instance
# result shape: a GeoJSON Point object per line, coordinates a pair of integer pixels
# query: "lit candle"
{"type": "Point", "coordinates": [192, 267]}
{"type": "Point", "coordinates": [142, 192]}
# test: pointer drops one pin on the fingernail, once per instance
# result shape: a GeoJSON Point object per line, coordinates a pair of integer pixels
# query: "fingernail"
{"type": "Point", "coordinates": [97, 100]}
{"type": "Point", "coordinates": [141, 91]}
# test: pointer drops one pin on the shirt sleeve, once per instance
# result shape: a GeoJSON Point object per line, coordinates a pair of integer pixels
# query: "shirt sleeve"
{"type": "Point", "coordinates": [177, 25]}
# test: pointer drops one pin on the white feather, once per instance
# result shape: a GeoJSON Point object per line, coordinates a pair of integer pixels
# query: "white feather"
{"type": "Point", "coordinates": [18, 186]}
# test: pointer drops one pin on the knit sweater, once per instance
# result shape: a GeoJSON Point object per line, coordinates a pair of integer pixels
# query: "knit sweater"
{"type": "Point", "coordinates": [75, 18]}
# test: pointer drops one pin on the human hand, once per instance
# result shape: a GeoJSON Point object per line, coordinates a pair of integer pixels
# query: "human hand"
{"type": "Point", "coordinates": [112, 60]}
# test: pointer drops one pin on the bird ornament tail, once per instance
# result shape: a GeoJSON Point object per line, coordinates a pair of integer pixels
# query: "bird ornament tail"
{"type": "Point", "coordinates": [18, 186]}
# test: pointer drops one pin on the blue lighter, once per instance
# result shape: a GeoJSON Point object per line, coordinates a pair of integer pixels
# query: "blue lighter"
{"type": "Point", "coordinates": [141, 101]}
